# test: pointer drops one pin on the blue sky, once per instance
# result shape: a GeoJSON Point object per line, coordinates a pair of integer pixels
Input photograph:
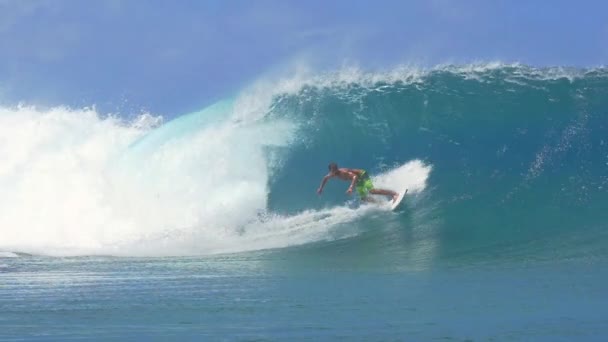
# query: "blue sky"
{"type": "Point", "coordinates": [171, 57]}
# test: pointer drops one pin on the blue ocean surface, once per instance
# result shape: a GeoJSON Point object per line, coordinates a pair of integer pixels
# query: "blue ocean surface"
{"type": "Point", "coordinates": [208, 226]}
{"type": "Point", "coordinates": [269, 296]}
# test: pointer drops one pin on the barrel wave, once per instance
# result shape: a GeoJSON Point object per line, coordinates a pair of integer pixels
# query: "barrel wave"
{"type": "Point", "coordinates": [502, 161]}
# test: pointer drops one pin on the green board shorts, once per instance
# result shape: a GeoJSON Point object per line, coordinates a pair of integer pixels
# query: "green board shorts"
{"type": "Point", "coordinates": [364, 184]}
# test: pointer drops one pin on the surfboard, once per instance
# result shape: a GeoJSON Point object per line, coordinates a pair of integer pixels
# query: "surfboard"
{"type": "Point", "coordinates": [397, 204]}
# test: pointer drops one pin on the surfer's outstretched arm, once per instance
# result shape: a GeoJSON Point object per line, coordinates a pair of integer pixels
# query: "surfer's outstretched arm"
{"type": "Point", "coordinates": [352, 183]}
{"type": "Point", "coordinates": [320, 189]}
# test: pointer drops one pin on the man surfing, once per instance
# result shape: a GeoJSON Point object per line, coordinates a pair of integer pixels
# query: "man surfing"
{"type": "Point", "coordinates": [360, 179]}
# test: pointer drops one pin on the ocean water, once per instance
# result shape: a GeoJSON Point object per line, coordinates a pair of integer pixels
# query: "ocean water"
{"type": "Point", "coordinates": [207, 226]}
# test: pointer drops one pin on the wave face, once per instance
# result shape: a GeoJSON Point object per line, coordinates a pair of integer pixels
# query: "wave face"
{"type": "Point", "coordinates": [499, 159]}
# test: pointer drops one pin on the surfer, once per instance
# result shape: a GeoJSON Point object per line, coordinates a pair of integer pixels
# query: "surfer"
{"type": "Point", "coordinates": [359, 178]}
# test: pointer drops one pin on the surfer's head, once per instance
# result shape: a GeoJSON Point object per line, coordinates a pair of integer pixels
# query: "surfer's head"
{"type": "Point", "coordinates": [333, 167]}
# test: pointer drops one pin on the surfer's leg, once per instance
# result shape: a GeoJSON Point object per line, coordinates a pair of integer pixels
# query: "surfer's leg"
{"type": "Point", "coordinates": [368, 199]}
{"type": "Point", "coordinates": [384, 192]}
{"type": "Point", "coordinates": [363, 191]}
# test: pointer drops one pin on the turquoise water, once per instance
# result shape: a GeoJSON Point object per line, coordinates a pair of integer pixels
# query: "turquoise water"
{"type": "Point", "coordinates": [311, 294]}
{"type": "Point", "coordinates": [209, 227]}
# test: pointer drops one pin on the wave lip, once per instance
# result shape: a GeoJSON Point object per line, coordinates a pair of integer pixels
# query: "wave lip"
{"type": "Point", "coordinates": [260, 94]}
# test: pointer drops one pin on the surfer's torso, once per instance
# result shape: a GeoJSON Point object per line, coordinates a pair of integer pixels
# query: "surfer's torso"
{"type": "Point", "coordinates": [348, 174]}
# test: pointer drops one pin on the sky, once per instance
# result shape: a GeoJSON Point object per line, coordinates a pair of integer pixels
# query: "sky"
{"type": "Point", "coordinates": [172, 57]}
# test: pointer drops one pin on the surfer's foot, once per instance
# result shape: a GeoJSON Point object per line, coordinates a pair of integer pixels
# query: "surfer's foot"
{"type": "Point", "coordinates": [395, 197]}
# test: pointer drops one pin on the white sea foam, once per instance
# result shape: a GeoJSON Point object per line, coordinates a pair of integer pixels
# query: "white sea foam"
{"type": "Point", "coordinates": [77, 183]}
{"type": "Point", "coordinates": [412, 175]}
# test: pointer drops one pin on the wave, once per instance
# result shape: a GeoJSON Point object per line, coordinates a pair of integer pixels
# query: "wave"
{"type": "Point", "coordinates": [8, 255]}
{"type": "Point", "coordinates": [495, 156]}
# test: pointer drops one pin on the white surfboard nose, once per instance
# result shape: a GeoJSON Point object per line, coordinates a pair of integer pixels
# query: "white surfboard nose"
{"type": "Point", "coordinates": [399, 199]}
